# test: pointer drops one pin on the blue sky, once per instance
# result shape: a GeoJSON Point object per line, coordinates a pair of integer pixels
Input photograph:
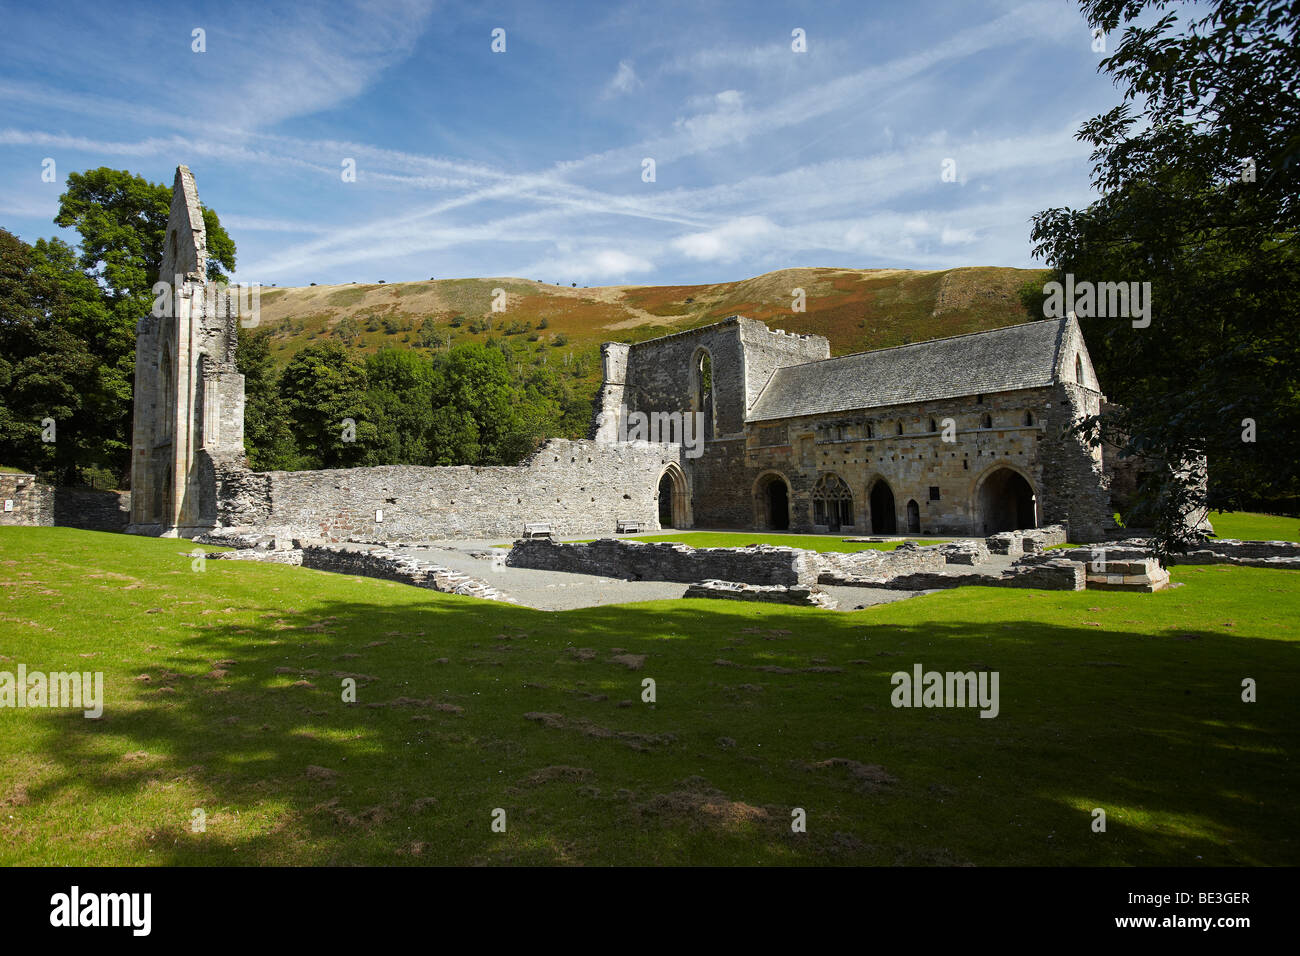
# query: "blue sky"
{"type": "Point", "coordinates": [529, 162]}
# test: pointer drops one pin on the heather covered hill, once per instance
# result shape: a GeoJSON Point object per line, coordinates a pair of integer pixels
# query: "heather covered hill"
{"type": "Point", "coordinates": [857, 309]}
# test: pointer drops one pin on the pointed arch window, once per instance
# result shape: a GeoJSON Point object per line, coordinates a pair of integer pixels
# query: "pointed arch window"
{"type": "Point", "coordinates": [832, 501]}
{"type": "Point", "coordinates": [703, 373]}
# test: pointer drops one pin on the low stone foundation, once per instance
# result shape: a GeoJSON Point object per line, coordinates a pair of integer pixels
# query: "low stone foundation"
{"type": "Point", "coordinates": [1257, 554]}
{"type": "Point", "coordinates": [1029, 541]}
{"type": "Point", "coordinates": [807, 596]}
{"type": "Point", "coordinates": [640, 561]}
{"type": "Point", "coordinates": [1050, 575]}
{"type": "Point", "coordinates": [907, 558]}
{"type": "Point", "coordinates": [380, 563]}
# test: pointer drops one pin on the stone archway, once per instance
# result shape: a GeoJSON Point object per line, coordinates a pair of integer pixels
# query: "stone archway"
{"type": "Point", "coordinates": [772, 502]}
{"type": "Point", "coordinates": [1004, 500]}
{"type": "Point", "coordinates": [674, 498]}
{"type": "Point", "coordinates": [884, 518]}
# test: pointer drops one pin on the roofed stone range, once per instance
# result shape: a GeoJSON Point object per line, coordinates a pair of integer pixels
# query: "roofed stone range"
{"type": "Point", "coordinates": [999, 360]}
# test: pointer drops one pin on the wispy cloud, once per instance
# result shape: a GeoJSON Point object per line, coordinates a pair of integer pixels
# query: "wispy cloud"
{"type": "Point", "coordinates": [764, 159]}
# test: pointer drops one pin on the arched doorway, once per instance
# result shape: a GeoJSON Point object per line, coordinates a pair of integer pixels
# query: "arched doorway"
{"type": "Point", "coordinates": [883, 519]}
{"type": "Point", "coordinates": [772, 502]}
{"type": "Point", "coordinates": [913, 518]}
{"type": "Point", "coordinates": [674, 499]}
{"type": "Point", "coordinates": [1006, 502]}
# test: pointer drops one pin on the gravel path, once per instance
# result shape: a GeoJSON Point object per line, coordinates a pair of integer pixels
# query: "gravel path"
{"type": "Point", "coordinates": [564, 591]}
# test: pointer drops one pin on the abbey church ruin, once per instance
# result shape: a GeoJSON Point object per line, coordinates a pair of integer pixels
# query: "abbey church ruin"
{"type": "Point", "coordinates": [959, 436]}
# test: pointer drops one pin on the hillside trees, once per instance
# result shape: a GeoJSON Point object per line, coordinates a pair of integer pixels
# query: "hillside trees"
{"type": "Point", "coordinates": [268, 438]}
{"type": "Point", "coordinates": [457, 408]}
{"type": "Point", "coordinates": [324, 392]}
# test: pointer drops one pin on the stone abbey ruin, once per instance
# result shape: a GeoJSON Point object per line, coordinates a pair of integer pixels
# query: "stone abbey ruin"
{"type": "Point", "coordinates": [965, 437]}
{"type": "Point", "coordinates": [960, 436]}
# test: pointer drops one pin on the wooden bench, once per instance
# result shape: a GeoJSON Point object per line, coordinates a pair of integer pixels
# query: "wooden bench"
{"type": "Point", "coordinates": [629, 527]}
{"type": "Point", "coordinates": [539, 529]}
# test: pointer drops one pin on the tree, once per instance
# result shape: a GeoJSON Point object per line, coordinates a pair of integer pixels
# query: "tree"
{"type": "Point", "coordinates": [476, 406]}
{"type": "Point", "coordinates": [61, 360]}
{"type": "Point", "coordinates": [1199, 197]}
{"type": "Point", "coordinates": [268, 440]}
{"type": "Point", "coordinates": [122, 221]}
{"type": "Point", "coordinates": [401, 385]}
{"type": "Point", "coordinates": [323, 388]}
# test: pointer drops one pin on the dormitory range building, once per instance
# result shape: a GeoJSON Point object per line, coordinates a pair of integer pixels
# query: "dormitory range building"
{"type": "Point", "coordinates": [959, 436]}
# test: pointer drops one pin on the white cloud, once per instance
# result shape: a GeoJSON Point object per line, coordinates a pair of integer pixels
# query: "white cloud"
{"type": "Point", "coordinates": [624, 80]}
{"type": "Point", "coordinates": [590, 264]}
{"type": "Point", "coordinates": [728, 242]}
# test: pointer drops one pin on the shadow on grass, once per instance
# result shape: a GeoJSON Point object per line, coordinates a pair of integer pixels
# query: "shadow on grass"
{"type": "Point", "coordinates": [759, 710]}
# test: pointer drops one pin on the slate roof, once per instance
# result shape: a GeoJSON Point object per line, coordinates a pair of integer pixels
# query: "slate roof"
{"type": "Point", "coordinates": [999, 360]}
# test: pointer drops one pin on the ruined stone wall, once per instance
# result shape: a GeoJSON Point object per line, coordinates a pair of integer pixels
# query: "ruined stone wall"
{"type": "Point", "coordinates": [661, 375]}
{"type": "Point", "coordinates": [720, 485]}
{"type": "Point", "coordinates": [91, 509]}
{"type": "Point", "coordinates": [579, 487]}
{"type": "Point", "coordinates": [911, 463]}
{"type": "Point", "coordinates": [189, 397]}
{"type": "Point", "coordinates": [25, 502]}
{"type": "Point", "coordinates": [34, 504]}
{"type": "Point", "coordinates": [613, 363]}
{"type": "Point", "coordinates": [766, 350]}
{"type": "Point", "coordinates": [1075, 486]}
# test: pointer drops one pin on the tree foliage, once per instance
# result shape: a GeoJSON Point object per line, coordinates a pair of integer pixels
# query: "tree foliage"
{"type": "Point", "coordinates": [63, 359]}
{"type": "Point", "coordinates": [68, 319]}
{"type": "Point", "coordinates": [1199, 174]}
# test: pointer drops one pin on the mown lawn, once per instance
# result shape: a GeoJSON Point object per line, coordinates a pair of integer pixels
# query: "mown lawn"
{"type": "Point", "coordinates": [1255, 527]}
{"type": "Point", "coordinates": [740, 539]}
{"type": "Point", "coordinates": [223, 694]}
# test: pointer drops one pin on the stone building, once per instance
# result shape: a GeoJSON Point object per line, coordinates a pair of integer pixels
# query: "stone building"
{"type": "Point", "coordinates": [959, 436]}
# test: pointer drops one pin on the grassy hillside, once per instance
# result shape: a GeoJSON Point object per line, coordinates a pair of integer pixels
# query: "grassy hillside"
{"type": "Point", "coordinates": [856, 309]}
{"type": "Point", "coordinates": [223, 695]}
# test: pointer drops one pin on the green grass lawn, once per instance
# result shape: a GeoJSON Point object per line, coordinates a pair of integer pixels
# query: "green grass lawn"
{"type": "Point", "coordinates": [737, 539]}
{"type": "Point", "coordinates": [223, 694]}
{"type": "Point", "coordinates": [1255, 527]}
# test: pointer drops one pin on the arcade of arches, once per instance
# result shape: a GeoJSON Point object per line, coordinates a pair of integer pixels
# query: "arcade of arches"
{"type": "Point", "coordinates": [1004, 501]}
